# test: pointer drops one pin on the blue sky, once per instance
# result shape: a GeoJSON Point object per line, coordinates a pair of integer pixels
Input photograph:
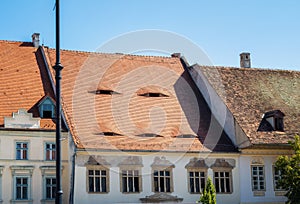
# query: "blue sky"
{"type": "Point", "coordinates": [268, 29]}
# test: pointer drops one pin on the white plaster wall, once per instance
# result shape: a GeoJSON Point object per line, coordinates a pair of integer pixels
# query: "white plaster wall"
{"type": "Point", "coordinates": [180, 182]}
{"type": "Point", "coordinates": [245, 179]}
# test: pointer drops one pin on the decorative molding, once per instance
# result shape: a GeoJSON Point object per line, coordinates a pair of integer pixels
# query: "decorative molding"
{"type": "Point", "coordinates": [22, 169]}
{"type": "Point", "coordinates": [257, 160]}
{"type": "Point", "coordinates": [22, 119]}
{"type": "Point", "coordinates": [48, 169]}
{"type": "Point", "coordinates": [161, 197]}
{"type": "Point", "coordinates": [222, 163]}
{"type": "Point", "coordinates": [97, 160]}
{"type": "Point", "coordinates": [132, 161]}
{"type": "Point", "coordinates": [196, 163]}
{"type": "Point", "coordinates": [162, 162]}
{"type": "Point", "coordinates": [1, 170]}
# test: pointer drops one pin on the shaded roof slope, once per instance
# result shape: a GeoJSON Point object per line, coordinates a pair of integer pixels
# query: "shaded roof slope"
{"type": "Point", "coordinates": [23, 83]}
{"type": "Point", "coordinates": [250, 92]}
{"type": "Point", "coordinates": [127, 102]}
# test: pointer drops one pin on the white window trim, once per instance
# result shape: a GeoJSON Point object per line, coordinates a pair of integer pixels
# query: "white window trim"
{"type": "Point", "coordinates": [225, 170]}
{"type": "Point", "coordinates": [28, 148]}
{"type": "Point", "coordinates": [258, 192]}
{"type": "Point", "coordinates": [24, 172]}
{"type": "Point", "coordinates": [45, 151]}
{"type": "Point", "coordinates": [131, 168]}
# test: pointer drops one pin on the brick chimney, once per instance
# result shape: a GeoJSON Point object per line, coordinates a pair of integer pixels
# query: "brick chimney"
{"type": "Point", "coordinates": [36, 39]}
{"type": "Point", "coordinates": [245, 60]}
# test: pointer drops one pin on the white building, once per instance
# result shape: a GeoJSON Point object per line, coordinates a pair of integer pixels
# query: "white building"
{"type": "Point", "coordinates": [143, 129]}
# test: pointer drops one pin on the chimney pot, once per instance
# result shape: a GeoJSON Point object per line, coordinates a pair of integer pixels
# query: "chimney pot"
{"type": "Point", "coordinates": [245, 60]}
{"type": "Point", "coordinates": [36, 39]}
{"type": "Point", "coordinates": [176, 55]}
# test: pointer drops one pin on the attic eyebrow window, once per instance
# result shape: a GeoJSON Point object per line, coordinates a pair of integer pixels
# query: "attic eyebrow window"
{"type": "Point", "coordinates": [105, 92]}
{"type": "Point", "coordinates": [272, 121]}
{"type": "Point", "coordinates": [151, 94]}
{"type": "Point", "coordinates": [149, 135]}
{"type": "Point", "coordinates": [108, 134]}
{"type": "Point", "coordinates": [186, 136]}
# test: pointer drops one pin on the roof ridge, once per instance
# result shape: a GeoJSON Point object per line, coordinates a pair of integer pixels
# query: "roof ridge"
{"type": "Point", "coordinates": [113, 54]}
{"type": "Point", "coordinates": [252, 68]}
{"type": "Point", "coordinates": [14, 41]}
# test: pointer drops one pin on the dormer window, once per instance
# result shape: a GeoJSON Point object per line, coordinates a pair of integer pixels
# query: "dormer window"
{"type": "Point", "coordinates": [47, 108]}
{"type": "Point", "coordinates": [272, 121]}
{"type": "Point", "coordinates": [106, 92]}
{"type": "Point", "coordinates": [153, 95]}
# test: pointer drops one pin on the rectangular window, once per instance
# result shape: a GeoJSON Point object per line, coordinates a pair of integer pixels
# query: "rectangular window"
{"type": "Point", "coordinates": [277, 176]}
{"type": "Point", "coordinates": [223, 181]}
{"type": "Point", "coordinates": [196, 181]}
{"type": "Point", "coordinates": [50, 187]}
{"type": "Point", "coordinates": [50, 151]}
{"type": "Point", "coordinates": [162, 181]}
{"type": "Point", "coordinates": [130, 181]}
{"type": "Point", "coordinates": [22, 187]}
{"type": "Point", "coordinates": [258, 178]}
{"type": "Point", "coordinates": [21, 150]}
{"type": "Point", "coordinates": [97, 181]}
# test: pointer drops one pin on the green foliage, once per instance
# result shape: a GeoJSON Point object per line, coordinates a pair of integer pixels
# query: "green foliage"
{"type": "Point", "coordinates": [209, 194]}
{"type": "Point", "coordinates": [290, 173]}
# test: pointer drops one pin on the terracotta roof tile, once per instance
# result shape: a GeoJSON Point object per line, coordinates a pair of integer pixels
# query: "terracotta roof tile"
{"type": "Point", "coordinates": [21, 82]}
{"type": "Point", "coordinates": [127, 113]}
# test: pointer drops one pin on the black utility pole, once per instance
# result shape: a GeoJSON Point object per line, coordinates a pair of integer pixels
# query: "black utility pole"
{"type": "Point", "coordinates": [58, 67]}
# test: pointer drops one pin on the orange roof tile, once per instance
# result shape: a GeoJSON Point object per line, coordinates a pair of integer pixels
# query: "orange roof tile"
{"type": "Point", "coordinates": [125, 112]}
{"type": "Point", "coordinates": [22, 81]}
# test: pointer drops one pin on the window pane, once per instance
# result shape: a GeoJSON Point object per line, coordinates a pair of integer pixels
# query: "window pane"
{"type": "Point", "coordinates": [197, 185]}
{"type": "Point", "coordinates": [25, 193]}
{"type": "Point", "coordinates": [97, 184]}
{"type": "Point", "coordinates": [103, 184]}
{"type": "Point", "coordinates": [162, 184]}
{"type": "Point", "coordinates": [130, 184]}
{"type": "Point", "coordinates": [168, 186]}
{"type": "Point", "coordinates": [156, 189]}
{"type": "Point", "coordinates": [192, 185]}
{"type": "Point", "coordinates": [91, 184]}
{"type": "Point", "coordinates": [136, 184]}
{"type": "Point", "coordinates": [124, 184]}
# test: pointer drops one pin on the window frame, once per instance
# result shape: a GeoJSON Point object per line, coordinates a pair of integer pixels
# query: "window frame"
{"type": "Point", "coordinates": [28, 186]}
{"type": "Point", "coordinates": [164, 169]}
{"type": "Point", "coordinates": [45, 186]}
{"type": "Point", "coordinates": [258, 180]}
{"type": "Point", "coordinates": [22, 149]}
{"type": "Point", "coordinates": [194, 170]}
{"type": "Point", "coordinates": [52, 151]}
{"type": "Point", "coordinates": [97, 168]}
{"type": "Point", "coordinates": [138, 176]}
{"type": "Point", "coordinates": [223, 170]}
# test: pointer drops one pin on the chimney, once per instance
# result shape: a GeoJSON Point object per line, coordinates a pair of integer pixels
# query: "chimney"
{"type": "Point", "coordinates": [177, 55]}
{"type": "Point", "coordinates": [245, 60]}
{"type": "Point", "coordinates": [36, 39]}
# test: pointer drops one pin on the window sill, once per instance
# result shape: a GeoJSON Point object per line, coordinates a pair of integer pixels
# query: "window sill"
{"type": "Point", "coordinates": [131, 192]}
{"type": "Point", "coordinates": [280, 193]}
{"type": "Point", "coordinates": [21, 201]}
{"type": "Point", "coordinates": [258, 193]}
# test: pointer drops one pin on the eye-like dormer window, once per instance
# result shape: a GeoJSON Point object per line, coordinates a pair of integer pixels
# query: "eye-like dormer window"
{"type": "Point", "coordinates": [106, 92]}
{"type": "Point", "coordinates": [272, 121]}
{"type": "Point", "coordinates": [47, 108]}
{"type": "Point", "coordinates": [153, 95]}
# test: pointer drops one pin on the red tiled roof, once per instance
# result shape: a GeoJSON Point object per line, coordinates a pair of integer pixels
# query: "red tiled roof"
{"type": "Point", "coordinates": [22, 81]}
{"type": "Point", "coordinates": [126, 114]}
{"type": "Point", "coordinates": [250, 92]}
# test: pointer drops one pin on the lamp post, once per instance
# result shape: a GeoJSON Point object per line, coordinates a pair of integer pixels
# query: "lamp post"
{"type": "Point", "coordinates": [58, 67]}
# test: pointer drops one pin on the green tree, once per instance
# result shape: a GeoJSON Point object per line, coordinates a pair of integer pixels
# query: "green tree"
{"type": "Point", "coordinates": [209, 194]}
{"type": "Point", "coordinates": [289, 168]}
